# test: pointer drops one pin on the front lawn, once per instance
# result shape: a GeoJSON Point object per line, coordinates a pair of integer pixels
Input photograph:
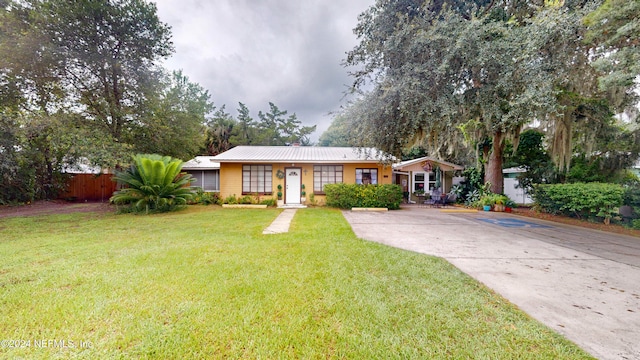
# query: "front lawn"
{"type": "Point", "coordinates": [205, 283]}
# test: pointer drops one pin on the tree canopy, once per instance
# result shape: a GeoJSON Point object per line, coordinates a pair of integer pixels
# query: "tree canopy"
{"type": "Point", "coordinates": [271, 128]}
{"type": "Point", "coordinates": [614, 32]}
{"type": "Point", "coordinates": [453, 75]}
{"type": "Point", "coordinates": [338, 133]}
{"type": "Point", "coordinates": [80, 79]}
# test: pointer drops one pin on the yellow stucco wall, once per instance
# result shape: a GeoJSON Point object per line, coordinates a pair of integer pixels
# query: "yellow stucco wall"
{"type": "Point", "coordinates": [231, 177]}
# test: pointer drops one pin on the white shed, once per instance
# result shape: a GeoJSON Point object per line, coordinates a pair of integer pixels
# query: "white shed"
{"type": "Point", "coordinates": [511, 189]}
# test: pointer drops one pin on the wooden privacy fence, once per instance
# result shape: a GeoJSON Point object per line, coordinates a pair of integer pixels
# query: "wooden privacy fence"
{"type": "Point", "coordinates": [90, 187]}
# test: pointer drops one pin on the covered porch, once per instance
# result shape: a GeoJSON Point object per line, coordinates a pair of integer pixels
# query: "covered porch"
{"type": "Point", "coordinates": [420, 177]}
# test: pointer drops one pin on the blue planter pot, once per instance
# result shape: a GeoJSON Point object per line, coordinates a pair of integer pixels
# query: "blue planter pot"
{"type": "Point", "coordinates": [486, 207]}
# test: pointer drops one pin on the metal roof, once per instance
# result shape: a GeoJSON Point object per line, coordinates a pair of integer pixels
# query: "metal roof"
{"type": "Point", "coordinates": [403, 164]}
{"type": "Point", "coordinates": [300, 154]}
{"type": "Point", "coordinates": [512, 170]}
{"type": "Point", "coordinates": [201, 163]}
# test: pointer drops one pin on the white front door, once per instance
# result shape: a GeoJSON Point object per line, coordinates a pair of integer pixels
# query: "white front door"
{"type": "Point", "coordinates": [292, 183]}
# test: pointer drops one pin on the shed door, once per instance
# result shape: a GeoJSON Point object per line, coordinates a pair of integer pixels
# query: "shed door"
{"type": "Point", "coordinates": [292, 183]}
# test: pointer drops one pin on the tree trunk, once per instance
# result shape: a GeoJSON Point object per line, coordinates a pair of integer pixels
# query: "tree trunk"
{"type": "Point", "coordinates": [493, 172]}
{"type": "Point", "coordinates": [486, 151]}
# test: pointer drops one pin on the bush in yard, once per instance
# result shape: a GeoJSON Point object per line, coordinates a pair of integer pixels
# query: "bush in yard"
{"type": "Point", "coordinates": [346, 196]}
{"type": "Point", "coordinates": [469, 190]}
{"type": "Point", "coordinates": [594, 201]}
{"type": "Point", "coordinates": [153, 183]}
{"type": "Point", "coordinates": [269, 202]}
{"type": "Point", "coordinates": [202, 197]}
{"type": "Point", "coordinates": [631, 198]}
{"type": "Point", "coordinates": [231, 199]}
{"type": "Point", "coordinates": [247, 200]}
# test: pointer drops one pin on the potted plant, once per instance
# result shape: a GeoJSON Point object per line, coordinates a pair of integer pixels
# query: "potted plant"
{"type": "Point", "coordinates": [499, 203]}
{"type": "Point", "coordinates": [487, 202]}
{"type": "Point", "coordinates": [303, 194]}
{"type": "Point", "coordinates": [509, 205]}
{"type": "Point", "coordinates": [279, 193]}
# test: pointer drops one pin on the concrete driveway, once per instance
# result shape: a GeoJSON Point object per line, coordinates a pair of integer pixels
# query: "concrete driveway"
{"type": "Point", "coordinates": [583, 283]}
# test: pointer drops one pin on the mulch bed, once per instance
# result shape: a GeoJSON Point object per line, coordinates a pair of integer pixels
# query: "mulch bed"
{"type": "Point", "coordinates": [613, 228]}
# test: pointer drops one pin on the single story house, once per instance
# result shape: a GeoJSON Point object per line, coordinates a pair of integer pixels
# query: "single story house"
{"type": "Point", "coordinates": [419, 176]}
{"type": "Point", "coordinates": [249, 170]}
{"type": "Point", "coordinates": [205, 171]}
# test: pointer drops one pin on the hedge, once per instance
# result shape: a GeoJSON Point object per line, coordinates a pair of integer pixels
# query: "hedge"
{"type": "Point", "coordinates": [632, 198]}
{"type": "Point", "coordinates": [595, 201]}
{"type": "Point", "coordinates": [347, 196]}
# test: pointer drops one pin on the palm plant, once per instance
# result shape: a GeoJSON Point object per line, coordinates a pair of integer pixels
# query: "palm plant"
{"type": "Point", "coordinates": [153, 182]}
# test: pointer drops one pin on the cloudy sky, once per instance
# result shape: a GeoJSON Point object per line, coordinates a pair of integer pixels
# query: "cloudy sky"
{"type": "Point", "coordinates": [288, 52]}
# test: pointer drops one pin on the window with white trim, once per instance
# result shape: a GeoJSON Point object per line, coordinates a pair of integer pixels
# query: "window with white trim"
{"type": "Point", "coordinates": [257, 179]}
{"type": "Point", "coordinates": [366, 176]}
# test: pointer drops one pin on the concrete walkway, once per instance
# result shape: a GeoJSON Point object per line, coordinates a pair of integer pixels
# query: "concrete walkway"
{"type": "Point", "coordinates": [281, 223]}
{"type": "Point", "coordinates": [583, 283]}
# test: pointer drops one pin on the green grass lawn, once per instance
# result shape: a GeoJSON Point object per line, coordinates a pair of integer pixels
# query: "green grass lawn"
{"type": "Point", "coordinates": [205, 283]}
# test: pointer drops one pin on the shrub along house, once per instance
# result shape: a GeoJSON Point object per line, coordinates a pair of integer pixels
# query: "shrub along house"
{"type": "Point", "coordinates": [302, 171]}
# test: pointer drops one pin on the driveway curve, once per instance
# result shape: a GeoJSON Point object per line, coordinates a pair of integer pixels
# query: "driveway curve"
{"type": "Point", "coordinates": [583, 283]}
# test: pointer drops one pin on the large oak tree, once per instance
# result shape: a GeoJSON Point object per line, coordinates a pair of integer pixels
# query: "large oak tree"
{"type": "Point", "coordinates": [485, 67]}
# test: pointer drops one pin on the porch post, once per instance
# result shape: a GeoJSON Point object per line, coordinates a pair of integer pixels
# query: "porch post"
{"type": "Point", "coordinates": [410, 185]}
{"type": "Point", "coordinates": [444, 182]}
